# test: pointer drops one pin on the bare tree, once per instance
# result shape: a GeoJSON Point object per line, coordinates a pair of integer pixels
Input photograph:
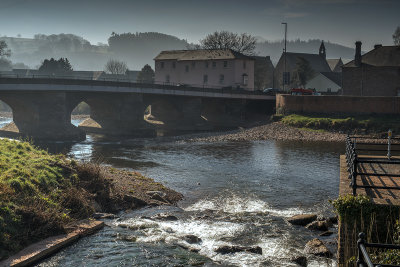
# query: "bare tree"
{"type": "Point", "coordinates": [396, 36]}
{"type": "Point", "coordinates": [243, 43]}
{"type": "Point", "coordinates": [4, 52]}
{"type": "Point", "coordinates": [114, 66]}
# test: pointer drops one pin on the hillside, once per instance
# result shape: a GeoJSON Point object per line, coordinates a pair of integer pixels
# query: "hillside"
{"type": "Point", "coordinates": [136, 49]}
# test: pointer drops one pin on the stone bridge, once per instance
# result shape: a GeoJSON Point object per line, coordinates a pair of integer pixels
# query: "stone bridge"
{"type": "Point", "coordinates": [42, 107]}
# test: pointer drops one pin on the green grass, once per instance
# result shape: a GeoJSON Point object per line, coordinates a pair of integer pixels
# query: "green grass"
{"type": "Point", "coordinates": [38, 195]}
{"type": "Point", "coordinates": [369, 124]}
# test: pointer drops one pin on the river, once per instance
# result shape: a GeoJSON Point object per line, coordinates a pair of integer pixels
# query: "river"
{"type": "Point", "coordinates": [236, 193]}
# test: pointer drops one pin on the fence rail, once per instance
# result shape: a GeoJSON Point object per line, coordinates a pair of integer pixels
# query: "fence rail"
{"type": "Point", "coordinates": [364, 260]}
{"type": "Point", "coordinates": [353, 161]}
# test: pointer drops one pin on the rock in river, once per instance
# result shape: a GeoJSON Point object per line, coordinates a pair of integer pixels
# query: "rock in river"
{"type": "Point", "coordinates": [164, 217]}
{"type": "Point", "coordinates": [317, 248]}
{"type": "Point", "coordinates": [319, 225]}
{"type": "Point", "coordinates": [234, 249]}
{"type": "Point", "coordinates": [192, 239]}
{"type": "Point", "coordinates": [300, 260]}
{"type": "Point", "coordinates": [302, 219]}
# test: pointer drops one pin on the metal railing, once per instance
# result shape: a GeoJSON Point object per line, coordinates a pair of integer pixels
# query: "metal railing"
{"type": "Point", "coordinates": [126, 81]}
{"type": "Point", "coordinates": [363, 259]}
{"type": "Point", "coordinates": [353, 161]}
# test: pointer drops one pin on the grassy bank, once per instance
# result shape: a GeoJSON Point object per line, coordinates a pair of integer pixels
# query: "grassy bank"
{"type": "Point", "coordinates": [371, 124]}
{"type": "Point", "coordinates": [42, 194]}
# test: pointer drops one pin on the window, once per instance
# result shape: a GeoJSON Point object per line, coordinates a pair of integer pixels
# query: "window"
{"type": "Point", "coordinates": [162, 64]}
{"type": "Point", "coordinates": [225, 64]}
{"type": "Point", "coordinates": [173, 65]}
{"type": "Point", "coordinates": [214, 64]}
{"type": "Point", "coordinates": [329, 90]}
{"type": "Point", "coordinates": [245, 79]}
{"type": "Point", "coordinates": [286, 77]}
{"type": "Point", "coordinates": [221, 79]}
{"type": "Point", "coordinates": [206, 64]}
{"type": "Point", "coordinates": [205, 78]}
{"type": "Point", "coordinates": [187, 68]}
{"type": "Point", "coordinates": [167, 79]}
{"type": "Point", "coordinates": [398, 91]}
{"type": "Point", "coordinates": [244, 64]}
{"type": "Point", "coordinates": [193, 64]}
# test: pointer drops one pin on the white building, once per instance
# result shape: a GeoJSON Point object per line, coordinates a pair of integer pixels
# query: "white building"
{"type": "Point", "coordinates": [205, 68]}
{"type": "Point", "coordinates": [326, 82]}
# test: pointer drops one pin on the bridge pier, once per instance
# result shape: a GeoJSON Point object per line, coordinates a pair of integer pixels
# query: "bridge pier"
{"type": "Point", "coordinates": [224, 113]}
{"type": "Point", "coordinates": [40, 115]}
{"type": "Point", "coordinates": [177, 112]}
{"type": "Point", "coordinates": [113, 114]}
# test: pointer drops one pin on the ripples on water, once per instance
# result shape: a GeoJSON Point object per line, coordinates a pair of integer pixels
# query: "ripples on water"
{"type": "Point", "coordinates": [235, 194]}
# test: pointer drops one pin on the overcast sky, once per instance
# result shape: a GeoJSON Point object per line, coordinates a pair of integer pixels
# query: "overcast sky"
{"type": "Point", "coordinates": [339, 21]}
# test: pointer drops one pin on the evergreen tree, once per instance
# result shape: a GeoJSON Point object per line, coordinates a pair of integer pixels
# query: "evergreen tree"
{"type": "Point", "coordinates": [303, 72]}
{"type": "Point", "coordinates": [54, 67]}
{"type": "Point", "coordinates": [146, 75]}
{"type": "Point", "coordinates": [396, 36]}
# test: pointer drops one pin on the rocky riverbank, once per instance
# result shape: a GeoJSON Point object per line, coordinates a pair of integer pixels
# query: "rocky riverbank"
{"type": "Point", "coordinates": [42, 195]}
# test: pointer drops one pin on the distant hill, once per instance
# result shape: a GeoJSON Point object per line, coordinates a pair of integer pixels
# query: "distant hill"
{"type": "Point", "coordinates": [136, 49]}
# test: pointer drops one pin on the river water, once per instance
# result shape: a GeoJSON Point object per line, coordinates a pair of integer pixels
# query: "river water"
{"type": "Point", "coordinates": [236, 193]}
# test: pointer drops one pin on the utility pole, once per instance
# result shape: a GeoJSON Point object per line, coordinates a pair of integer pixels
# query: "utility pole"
{"type": "Point", "coordinates": [284, 77]}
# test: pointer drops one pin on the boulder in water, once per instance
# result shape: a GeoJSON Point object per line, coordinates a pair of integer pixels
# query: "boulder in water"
{"type": "Point", "coordinates": [164, 217]}
{"type": "Point", "coordinates": [234, 249]}
{"type": "Point", "coordinates": [192, 239]}
{"type": "Point", "coordinates": [300, 260]}
{"type": "Point", "coordinates": [317, 248]}
{"type": "Point", "coordinates": [302, 219]}
{"type": "Point", "coordinates": [319, 225]}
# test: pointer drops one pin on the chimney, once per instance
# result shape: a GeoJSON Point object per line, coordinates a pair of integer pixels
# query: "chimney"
{"type": "Point", "coordinates": [377, 46]}
{"type": "Point", "coordinates": [357, 57]}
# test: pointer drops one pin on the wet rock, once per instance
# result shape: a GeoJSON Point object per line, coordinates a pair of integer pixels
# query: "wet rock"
{"type": "Point", "coordinates": [334, 219]}
{"type": "Point", "coordinates": [317, 248]}
{"type": "Point", "coordinates": [129, 238]}
{"type": "Point", "coordinates": [134, 201]}
{"type": "Point", "coordinates": [99, 215]}
{"type": "Point", "coordinates": [192, 239]}
{"type": "Point", "coordinates": [319, 225]}
{"type": "Point", "coordinates": [300, 260]}
{"type": "Point", "coordinates": [164, 217]}
{"type": "Point", "coordinates": [234, 249]}
{"type": "Point", "coordinates": [302, 219]}
{"type": "Point", "coordinates": [158, 195]}
{"type": "Point", "coordinates": [326, 233]}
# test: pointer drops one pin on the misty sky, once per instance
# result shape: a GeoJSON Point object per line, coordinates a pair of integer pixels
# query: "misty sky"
{"type": "Point", "coordinates": [339, 21]}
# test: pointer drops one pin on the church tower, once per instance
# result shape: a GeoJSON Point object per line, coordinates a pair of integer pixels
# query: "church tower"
{"type": "Point", "coordinates": [322, 51]}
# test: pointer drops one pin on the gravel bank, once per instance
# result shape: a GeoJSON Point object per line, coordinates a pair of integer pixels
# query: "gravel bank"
{"type": "Point", "coordinates": [269, 131]}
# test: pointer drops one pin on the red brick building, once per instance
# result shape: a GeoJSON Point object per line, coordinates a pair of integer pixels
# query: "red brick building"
{"type": "Point", "coordinates": [376, 73]}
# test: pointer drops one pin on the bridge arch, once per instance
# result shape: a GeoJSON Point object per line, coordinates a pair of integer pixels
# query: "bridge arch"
{"type": "Point", "coordinates": [6, 116]}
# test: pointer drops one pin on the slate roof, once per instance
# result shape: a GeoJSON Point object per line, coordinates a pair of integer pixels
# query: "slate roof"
{"type": "Point", "coordinates": [317, 63]}
{"type": "Point", "coordinates": [384, 56]}
{"type": "Point", "coordinates": [201, 54]}
{"type": "Point", "coordinates": [335, 77]}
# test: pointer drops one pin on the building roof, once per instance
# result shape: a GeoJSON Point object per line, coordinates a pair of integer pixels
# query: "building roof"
{"type": "Point", "coordinates": [335, 77]}
{"type": "Point", "coordinates": [317, 63]}
{"type": "Point", "coordinates": [333, 62]}
{"type": "Point", "coordinates": [201, 54]}
{"type": "Point", "coordinates": [384, 56]}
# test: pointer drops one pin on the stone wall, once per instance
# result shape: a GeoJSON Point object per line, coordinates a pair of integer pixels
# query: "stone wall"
{"type": "Point", "coordinates": [371, 81]}
{"type": "Point", "coordinates": [337, 104]}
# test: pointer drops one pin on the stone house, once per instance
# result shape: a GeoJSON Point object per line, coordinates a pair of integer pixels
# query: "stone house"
{"type": "Point", "coordinates": [205, 68]}
{"type": "Point", "coordinates": [263, 72]}
{"type": "Point", "coordinates": [317, 62]}
{"type": "Point", "coordinates": [376, 73]}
